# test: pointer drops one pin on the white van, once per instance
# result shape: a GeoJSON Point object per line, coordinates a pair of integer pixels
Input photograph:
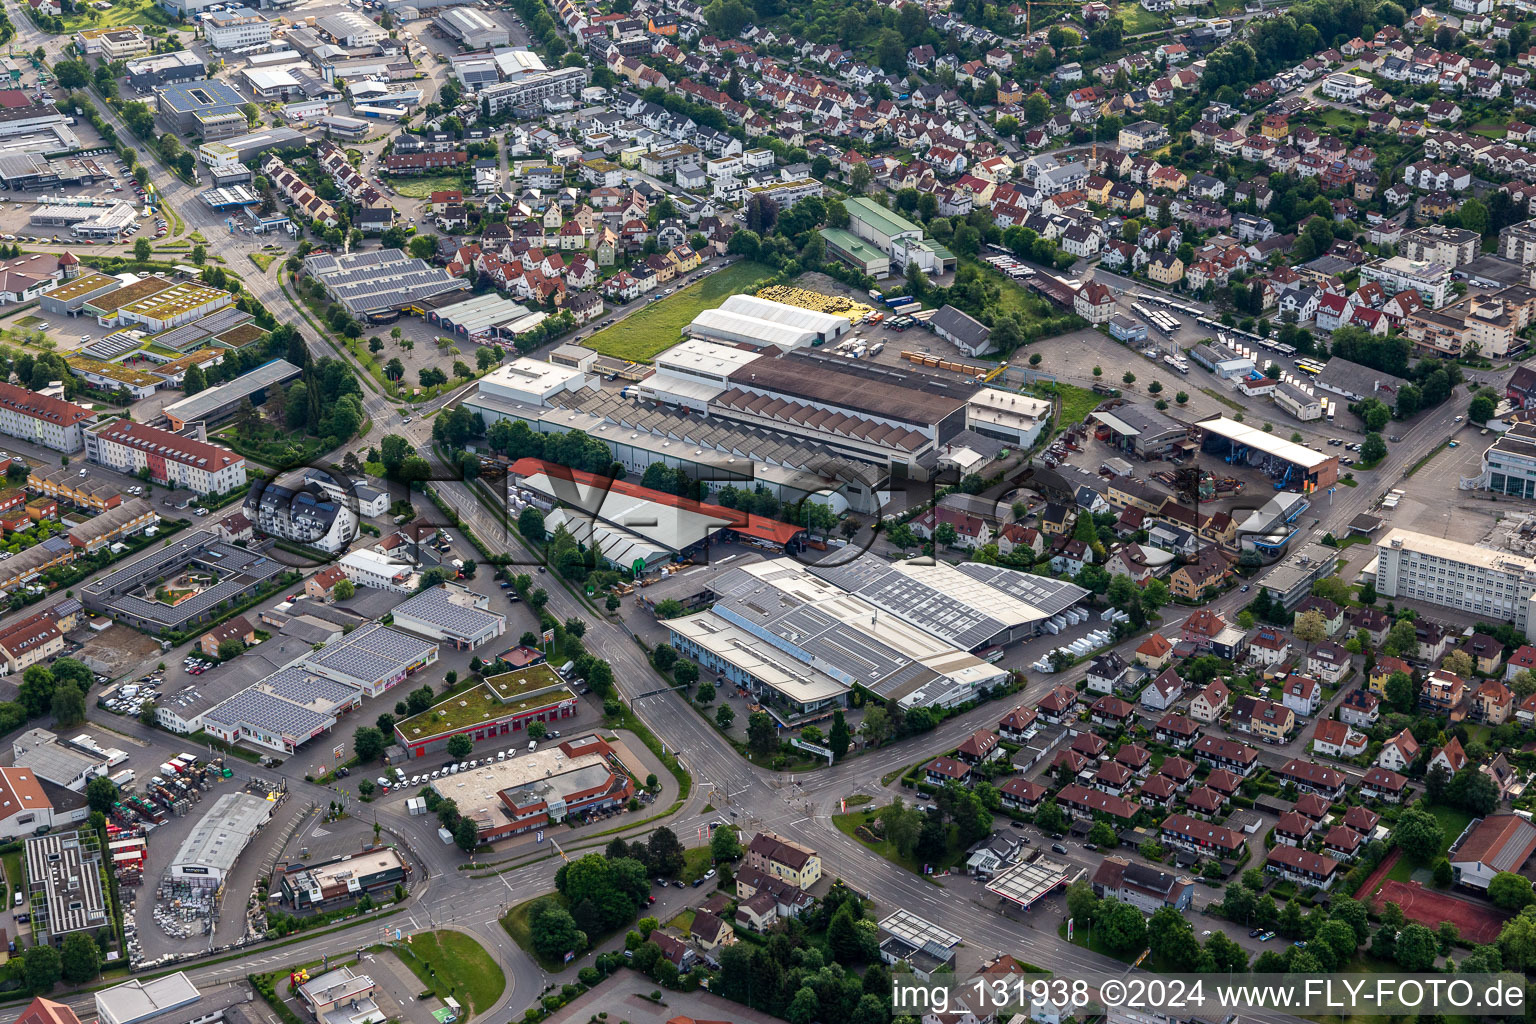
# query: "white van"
{"type": "Point", "coordinates": [501, 755]}
{"type": "Point", "coordinates": [533, 744]}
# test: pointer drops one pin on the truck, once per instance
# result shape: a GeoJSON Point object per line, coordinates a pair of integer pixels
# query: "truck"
{"type": "Point", "coordinates": [445, 836]}
{"type": "Point", "coordinates": [898, 301]}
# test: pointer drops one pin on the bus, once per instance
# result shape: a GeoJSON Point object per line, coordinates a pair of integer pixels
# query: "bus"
{"type": "Point", "coordinates": [1309, 367]}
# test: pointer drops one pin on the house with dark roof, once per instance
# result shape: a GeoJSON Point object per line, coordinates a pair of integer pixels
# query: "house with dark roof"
{"type": "Point", "coordinates": [1302, 866]}
{"type": "Point", "coordinates": [1145, 887]}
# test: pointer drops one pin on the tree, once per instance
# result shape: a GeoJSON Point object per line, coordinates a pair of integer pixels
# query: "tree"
{"type": "Point", "coordinates": [1102, 834]}
{"type": "Point", "coordinates": [194, 380]}
{"type": "Point", "coordinates": [465, 835]}
{"type": "Point", "coordinates": [762, 737]}
{"type": "Point", "coordinates": [1511, 891]}
{"type": "Point", "coordinates": [1417, 948]}
{"type": "Point", "coordinates": [36, 691]}
{"type": "Point", "coordinates": [42, 968]}
{"type": "Point", "coordinates": [664, 657]}
{"type": "Point", "coordinates": [142, 250]}
{"type": "Point", "coordinates": [368, 743]}
{"type": "Point", "coordinates": [553, 929]}
{"type": "Point", "coordinates": [68, 705]}
{"type": "Point", "coordinates": [530, 523]}
{"type": "Point", "coordinates": [1402, 640]}
{"type": "Point", "coordinates": [1483, 407]}
{"type": "Point", "coordinates": [724, 844]}
{"type": "Point", "coordinates": [537, 730]}
{"type": "Point", "coordinates": [80, 959]}
{"type": "Point", "coordinates": [1419, 835]}
{"type": "Point", "coordinates": [1172, 938]}
{"type": "Point", "coordinates": [1310, 628]}
{"type": "Point", "coordinates": [101, 794]}
{"type": "Point", "coordinates": [1373, 449]}
{"type": "Point", "coordinates": [1458, 662]}
{"type": "Point", "coordinates": [1121, 926]}
{"type": "Point", "coordinates": [724, 716]}
{"type": "Point", "coordinates": [232, 647]}
{"type": "Point", "coordinates": [663, 853]}
{"type": "Point", "coordinates": [460, 746]}
{"type": "Point", "coordinates": [344, 590]}
{"type": "Point", "coordinates": [839, 737]}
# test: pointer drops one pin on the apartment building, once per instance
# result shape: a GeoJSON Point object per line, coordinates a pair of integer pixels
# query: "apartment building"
{"type": "Point", "coordinates": [1498, 586]}
{"type": "Point", "coordinates": [200, 467]}
{"type": "Point", "coordinates": [1436, 243]}
{"type": "Point", "coordinates": [1430, 279]}
{"type": "Point", "coordinates": [534, 89]}
{"type": "Point", "coordinates": [798, 865]}
{"type": "Point", "coordinates": [50, 422]}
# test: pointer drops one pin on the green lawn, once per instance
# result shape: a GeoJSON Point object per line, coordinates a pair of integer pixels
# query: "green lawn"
{"type": "Point", "coordinates": [696, 861]}
{"type": "Point", "coordinates": [453, 964]}
{"type": "Point", "coordinates": [1076, 403]}
{"type": "Point", "coordinates": [848, 825]}
{"type": "Point", "coordinates": [1136, 19]}
{"type": "Point", "coordinates": [659, 325]}
{"type": "Point", "coordinates": [1034, 313]}
{"type": "Point", "coordinates": [1452, 823]}
{"type": "Point", "coordinates": [422, 186]}
{"type": "Point", "coordinates": [122, 12]}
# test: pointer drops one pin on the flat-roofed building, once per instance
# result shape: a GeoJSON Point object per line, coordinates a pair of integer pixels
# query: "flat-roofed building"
{"type": "Point", "coordinates": [535, 789]}
{"type": "Point", "coordinates": [452, 614]}
{"type": "Point", "coordinates": [373, 657]}
{"type": "Point", "coordinates": [1496, 585]}
{"type": "Point", "coordinates": [64, 886]}
{"type": "Point", "coordinates": [1006, 416]}
{"type": "Point", "coordinates": [138, 1000]}
{"type": "Point", "coordinates": [475, 30]}
{"type": "Point", "coordinates": [236, 29]}
{"type": "Point", "coordinates": [218, 403]}
{"type": "Point", "coordinates": [344, 879]}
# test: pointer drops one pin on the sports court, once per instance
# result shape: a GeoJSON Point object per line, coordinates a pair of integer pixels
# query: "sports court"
{"type": "Point", "coordinates": [1475, 923]}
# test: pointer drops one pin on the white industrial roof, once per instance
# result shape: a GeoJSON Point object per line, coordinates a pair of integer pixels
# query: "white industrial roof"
{"type": "Point", "coordinates": [701, 356]}
{"type": "Point", "coordinates": [755, 656]}
{"type": "Point", "coordinates": [783, 313]}
{"type": "Point", "coordinates": [1255, 438]}
{"type": "Point", "coordinates": [722, 323]}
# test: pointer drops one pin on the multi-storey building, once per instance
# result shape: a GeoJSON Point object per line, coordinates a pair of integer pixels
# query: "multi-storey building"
{"type": "Point", "coordinates": [1498, 586]}
{"type": "Point", "coordinates": [1437, 243]}
{"type": "Point", "coordinates": [534, 89]}
{"type": "Point", "coordinates": [1509, 464]}
{"type": "Point", "coordinates": [231, 30]}
{"type": "Point", "coordinates": [130, 447]}
{"type": "Point", "coordinates": [1431, 280]}
{"type": "Point", "coordinates": [50, 422]}
{"type": "Point", "coordinates": [302, 516]}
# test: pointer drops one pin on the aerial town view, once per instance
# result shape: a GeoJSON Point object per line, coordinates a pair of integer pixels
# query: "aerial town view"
{"type": "Point", "coordinates": [680, 512]}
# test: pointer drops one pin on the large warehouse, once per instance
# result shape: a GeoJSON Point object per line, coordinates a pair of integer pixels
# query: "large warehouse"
{"type": "Point", "coordinates": [209, 853]}
{"type": "Point", "coordinates": [373, 658]}
{"type": "Point", "coordinates": [506, 798]}
{"type": "Point", "coordinates": [452, 614]}
{"type": "Point", "coordinates": [282, 711]}
{"type": "Point", "coordinates": [476, 30]}
{"type": "Point", "coordinates": [747, 319]}
{"type": "Point", "coordinates": [219, 403]}
{"type": "Point", "coordinates": [839, 634]}
{"type": "Point", "coordinates": [1296, 467]}
{"type": "Point", "coordinates": [969, 612]}
{"type": "Point", "coordinates": [680, 526]}
{"type": "Point", "coordinates": [380, 281]}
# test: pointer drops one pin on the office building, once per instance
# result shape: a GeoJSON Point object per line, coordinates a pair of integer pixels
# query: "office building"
{"type": "Point", "coordinates": [220, 574]}
{"type": "Point", "coordinates": [1509, 464]}
{"type": "Point", "coordinates": [236, 29]}
{"type": "Point", "coordinates": [1495, 585]}
{"type": "Point", "coordinates": [136, 1001]}
{"type": "Point", "coordinates": [205, 107]}
{"type": "Point", "coordinates": [344, 879]}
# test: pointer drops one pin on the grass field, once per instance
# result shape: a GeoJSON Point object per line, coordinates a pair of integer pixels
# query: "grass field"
{"type": "Point", "coordinates": [263, 259]}
{"type": "Point", "coordinates": [453, 964]}
{"type": "Point", "coordinates": [659, 325]}
{"type": "Point", "coordinates": [422, 186]}
{"type": "Point", "coordinates": [122, 12]}
{"type": "Point", "coordinates": [848, 825]}
{"type": "Point", "coordinates": [1136, 19]}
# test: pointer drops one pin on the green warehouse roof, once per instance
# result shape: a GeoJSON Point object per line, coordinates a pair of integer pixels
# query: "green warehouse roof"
{"type": "Point", "coordinates": [883, 220]}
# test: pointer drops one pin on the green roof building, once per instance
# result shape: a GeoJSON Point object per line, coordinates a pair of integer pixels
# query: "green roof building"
{"type": "Point", "coordinates": [857, 253]}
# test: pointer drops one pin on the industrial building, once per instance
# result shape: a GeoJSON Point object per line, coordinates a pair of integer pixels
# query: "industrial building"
{"type": "Point", "coordinates": [136, 1001]}
{"type": "Point", "coordinates": [86, 220]}
{"type": "Point", "coordinates": [1488, 583]}
{"type": "Point", "coordinates": [379, 280]}
{"type": "Point", "coordinates": [499, 706]}
{"type": "Point", "coordinates": [64, 886]}
{"type": "Point", "coordinates": [754, 321]}
{"type": "Point", "coordinates": [895, 236]}
{"type": "Point", "coordinates": [157, 69]}
{"type": "Point", "coordinates": [205, 107]}
{"type": "Point", "coordinates": [50, 422]}
{"type": "Point", "coordinates": [172, 460]}
{"type": "Point", "coordinates": [838, 633]}
{"type": "Point", "coordinates": [40, 752]}
{"type": "Point", "coordinates": [220, 571]}
{"type": "Point", "coordinates": [998, 607]}
{"type": "Point", "coordinates": [68, 298]}
{"type": "Point", "coordinates": [858, 254]}
{"type": "Point", "coordinates": [374, 658]}
{"type": "Point", "coordinates": [206, 857]}
{"type": "Point", "coordinates": [219, 403]}
{"type": "Point", "coordinates": [344, 879]}
{"type": "Point", "coordinates": [1294, 466]}
{"type": "Point", "coordinates": [1491, 845]}
{"type": "Point", "coordinates": [1007, 416]}
{"type": "Point", "coordinates": [1141, 430]}
{"type": "Point", "coordinates": [157, 303]}
{"type": "Point", "coordinates": [452, 614]}
{"type": "Point", "coordinates": [283, 710]}
{"type": "Point", "coordinates": [549, 786]}
{"type": "Point", "coordinates": [637, 524]}
{"type": "Point", "coordinates": [474, 29]}
{"type": "Point", "coordinates": [531, 382]}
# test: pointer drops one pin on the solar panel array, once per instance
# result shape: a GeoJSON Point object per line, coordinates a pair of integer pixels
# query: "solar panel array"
{"type": "Point", "coordinates": [185, 336]}
{"type": "Point", "coordinates": [372, 652]}
{"type": "Point", "coordinates": [434, 607]}
{"type": "Point", "coordinates": [940, 614]}
{"type": "Point", "coordinates": [112, 346]}
{"type": "Point", "coordinates": [261, 712]}
{"type": "Point", "coordinates": [380, 278]}
{"type": "Point", "coordinates": [1048, 595]}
